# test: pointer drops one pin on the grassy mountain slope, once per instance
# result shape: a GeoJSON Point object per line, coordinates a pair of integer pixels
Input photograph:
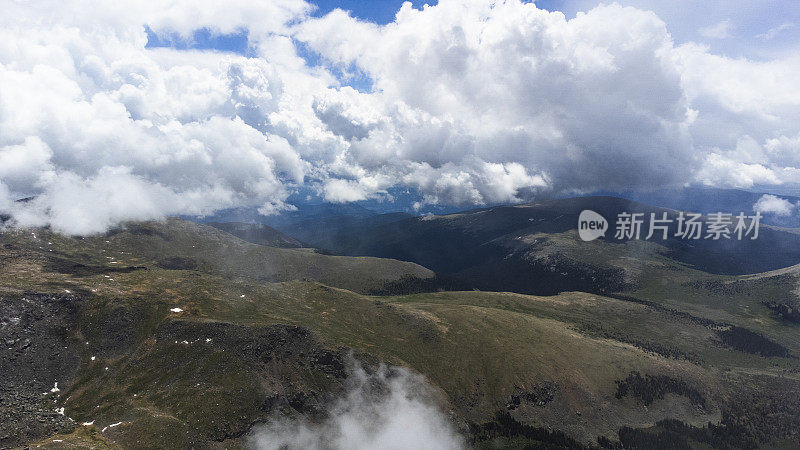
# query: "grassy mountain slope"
{"type": "Point", "coordinates": [178, 244]}
{"type": "Point", "coordinates": [534, 248]}
{"type": "Point", "coordinates": [242, 345]}
{"type": "Point", "coordinates": [258, 234]}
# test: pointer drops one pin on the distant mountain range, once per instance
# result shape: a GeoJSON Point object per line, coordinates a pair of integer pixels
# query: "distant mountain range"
{"type": "Point", "coordinates": [311, 221]}
{"type": "Point", "coordinates": [534, 248]}
{"type": "Point", "coordinates": [709, 200]}
{"type": "Point", "coordinates": [183, 335]}
{"type": "Point", "coordinates": [257, 233]}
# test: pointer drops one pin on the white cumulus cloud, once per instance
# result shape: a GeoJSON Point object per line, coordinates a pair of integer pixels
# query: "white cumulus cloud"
{"type": "Point", "coordinates": [470, 102]}
{"type": "Point", "coordinates": [771, 204]}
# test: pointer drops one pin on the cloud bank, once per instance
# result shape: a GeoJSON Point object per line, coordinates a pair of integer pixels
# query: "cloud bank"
{"type": "Point", "coordinates": [388, 410]}
{"type": "Point", "coordinates": [770, 204]}
{"type": "Point", "coordinates": [468, 102]}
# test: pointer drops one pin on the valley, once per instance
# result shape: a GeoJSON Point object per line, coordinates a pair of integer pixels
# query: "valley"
{"type": "Point", "coordinates": [179, 332]}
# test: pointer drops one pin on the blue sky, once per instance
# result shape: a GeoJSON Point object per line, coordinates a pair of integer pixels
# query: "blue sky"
{"type": "Point", "coordinates": [754, 29]}
{"type": "Point", "coordinates": [201, 39]}
{"type": "Point", "coordinates": [379, 11]}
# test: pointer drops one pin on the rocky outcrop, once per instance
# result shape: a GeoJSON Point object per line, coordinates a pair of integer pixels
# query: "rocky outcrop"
{"type": "Point", "coordinates": [37, 355]}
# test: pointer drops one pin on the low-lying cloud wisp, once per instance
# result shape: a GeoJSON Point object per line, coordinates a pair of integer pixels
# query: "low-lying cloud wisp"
{"type": "Point", "coordinates": [389, 409]}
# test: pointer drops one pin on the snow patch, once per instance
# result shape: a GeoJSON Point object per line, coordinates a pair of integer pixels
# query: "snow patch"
{"type": "Point", "coordinates": [111, 426]}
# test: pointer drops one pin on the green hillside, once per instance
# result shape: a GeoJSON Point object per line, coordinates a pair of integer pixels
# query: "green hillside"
{"type": "Point", "coordinates": [534, 248]}
{"type": "Point", "coordinates": [183, 334]}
